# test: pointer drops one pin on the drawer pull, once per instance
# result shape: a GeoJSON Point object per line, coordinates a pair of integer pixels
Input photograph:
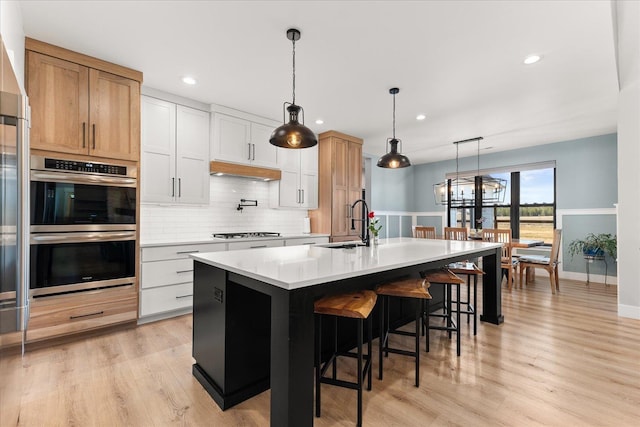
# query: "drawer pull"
{"type": "Point", "coordinates": [309, 243]}
{"type": "Point", "coordinates": [186, 252]}
{"type": "Point", "coordinates": [184, 271]}
{"type": "Point", "coordinates": [184, 296]}
{"type": "Point", "coordinates": [86, 315]}
{"type": "Point", "coordinates": [260, 246]}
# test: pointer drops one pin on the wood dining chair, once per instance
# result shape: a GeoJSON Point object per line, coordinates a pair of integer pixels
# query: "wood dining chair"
{"type": "Point", "coordinates": [455, 233]}
{"type": "Point", "coordinates": [549, 263]}
{"type": "Point", "coordinates": [507, 262]}
{"type": "Point", "coordinates": [424, 232]}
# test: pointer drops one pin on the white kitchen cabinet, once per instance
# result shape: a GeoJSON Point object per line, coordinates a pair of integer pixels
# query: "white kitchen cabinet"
{"type": "Point", "coordinates": [298, 186]}
{"type": "Point", "coordinates": [243, 141]}
{"type": "Point", "coordinates": [311, 240]}
{"type": "Point", "coordinates": [254, 244]}
{"type": "Point", "coordinates": [166, 279]}
{"type": "Point", "coordinates": [175, 153]}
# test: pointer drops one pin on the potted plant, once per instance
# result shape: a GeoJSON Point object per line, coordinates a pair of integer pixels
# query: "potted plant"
{"type": "Point", "coordinates": [595, 245]}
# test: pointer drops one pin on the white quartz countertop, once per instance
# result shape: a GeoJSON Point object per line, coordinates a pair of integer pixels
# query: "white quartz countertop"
{"type": "Point", "coordinates": [293, 267]}
{"type": "Point", "coordinates": [209, 239]}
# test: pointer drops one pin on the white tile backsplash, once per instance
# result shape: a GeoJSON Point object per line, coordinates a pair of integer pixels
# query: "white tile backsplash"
{"type": "Point", "coordinates": [173, 222]}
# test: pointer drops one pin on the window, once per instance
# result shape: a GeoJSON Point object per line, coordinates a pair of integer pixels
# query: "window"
{"type": "Point", "coordinates": [528, 207]}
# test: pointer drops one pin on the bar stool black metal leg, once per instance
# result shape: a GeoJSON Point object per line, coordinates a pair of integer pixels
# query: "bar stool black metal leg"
{"type": "Point", "coordinates": [449, 313]}
{"type": "Point", "coordinates": [370, 336]}
{"type": "Point", "coordinates": [427, 325]}
{"type": "Point", "coordinates": [418, 321]}
{"type": "Point", "coordinates": [458, 320]}
{"type": "Point", "coordinates": [335, 347]}
{"type": "Point", "coordinates": [475, 304]}
{"type": "Point", "coordinates": [468, 298]}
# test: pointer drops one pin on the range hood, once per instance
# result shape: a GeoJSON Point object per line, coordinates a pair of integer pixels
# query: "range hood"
{"type": "Point", "coordinates": [244, 171]}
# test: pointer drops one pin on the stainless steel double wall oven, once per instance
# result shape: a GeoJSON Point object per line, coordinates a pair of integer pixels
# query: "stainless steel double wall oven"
{"type": "Point", "coordinates": [83, 225]}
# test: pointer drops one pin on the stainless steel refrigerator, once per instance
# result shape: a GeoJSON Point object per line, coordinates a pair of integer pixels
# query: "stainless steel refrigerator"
{"type": "Point", "coordinates": [14, 219]}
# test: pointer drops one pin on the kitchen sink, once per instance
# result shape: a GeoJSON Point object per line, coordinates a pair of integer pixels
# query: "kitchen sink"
{"type": "Point", "coordinates": [346, 246]}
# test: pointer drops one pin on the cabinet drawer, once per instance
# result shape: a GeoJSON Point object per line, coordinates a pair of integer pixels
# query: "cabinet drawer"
{"type": "Point", "coordinates": [166, 298]}
{"type": "Point", "coordinates": [254, 244]}
{"type": "Point", "coordinates": [161, 273]}
{"type": "Point", "coordinates": [65, 314]}
{"type": "Point", "coordinates": [179, 251]}
{"type": "Point", "coordinates": [306, 241]}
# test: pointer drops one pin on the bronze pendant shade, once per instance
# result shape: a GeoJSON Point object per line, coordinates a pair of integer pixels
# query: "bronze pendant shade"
{"type": "Point", "coordinates": [293, 134]}
{"type": "Point", "coordinates": [394, 159]}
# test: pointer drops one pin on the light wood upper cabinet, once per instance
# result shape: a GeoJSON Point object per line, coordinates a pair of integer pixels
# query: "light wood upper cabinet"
{"type": "Point", "coordinates": [81, 110]}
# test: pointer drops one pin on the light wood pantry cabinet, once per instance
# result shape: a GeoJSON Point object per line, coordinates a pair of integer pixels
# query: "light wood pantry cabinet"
{"type": "Point", "coordinates": [82, 105]}
{"type": "Point", "coordinates": [339, 186]}
{"type": "Point", "coordinates": [298, 185]}
{"type": "Point", "coordinates": [243, 140]}
{"type": "Point", "coordinates": [175, 153]}
{"type": "Point", "coordinates": [167, 279]}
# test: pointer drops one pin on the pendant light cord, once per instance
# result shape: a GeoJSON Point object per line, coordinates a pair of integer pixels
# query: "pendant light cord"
{"type": "Point", "coordinates": [294, 70]}
{"type": "Point", "coordinates": [394, 116]}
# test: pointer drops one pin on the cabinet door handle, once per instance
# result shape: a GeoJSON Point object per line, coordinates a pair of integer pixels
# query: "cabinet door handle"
{"type": "Point", "coordinates": [86, 315]}
{"type": "Point", "coordinates": [183, 296]}
{"type": "Point", "coordinates": [173, 187]}
{"type": "Point", "coordinates": [255, 247]}
{"type": "Point", "coordinates": [94, 136]}
{"type": "Point", "coordinates": [183, 271]}
{"type": "Point", "coordinates": [309, 243]}
{"type": "Point", "coordinates": [302, 198]}
{"type": "Point", "coordinates": [348, 210]}
{"type": "Point", "coordinates": [84, 131]}
{"type": "Point", "coordinates": [187, 252]}
{"type": "Point", "coordinates": [249, 157]}
{"type": "Point", "coordinates": [254, 152]}
{"type": "Point", "coordinates": [179, 187]}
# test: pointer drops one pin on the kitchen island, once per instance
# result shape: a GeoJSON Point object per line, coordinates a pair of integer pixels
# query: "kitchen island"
{"type": "Point", "coordinates": [253, 326]}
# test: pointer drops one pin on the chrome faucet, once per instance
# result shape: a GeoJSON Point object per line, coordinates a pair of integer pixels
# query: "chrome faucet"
{"type": "Point", "coordinates": [365, 221]}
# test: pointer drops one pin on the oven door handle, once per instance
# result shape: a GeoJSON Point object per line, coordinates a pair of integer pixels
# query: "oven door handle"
{"type": "Point", "coordinates": [75, 178]}
{"type": "Point", "coordinates": [80, 237]}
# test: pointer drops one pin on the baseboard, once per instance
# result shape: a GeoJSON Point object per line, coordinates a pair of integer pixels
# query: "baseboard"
{"type": "Point", "coordinates": [593, 278]}
{"type": "Point", "coordinates": [165, 315]}
{"type": "Point", "coordinates": [630, 311]}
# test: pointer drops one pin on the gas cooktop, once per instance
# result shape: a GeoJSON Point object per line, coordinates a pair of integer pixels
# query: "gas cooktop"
{"type": "Point", "coordinates": [240, 235]}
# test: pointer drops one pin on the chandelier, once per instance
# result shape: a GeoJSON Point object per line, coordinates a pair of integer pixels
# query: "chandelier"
{"type": "Point", "coordinates": [462, 190]}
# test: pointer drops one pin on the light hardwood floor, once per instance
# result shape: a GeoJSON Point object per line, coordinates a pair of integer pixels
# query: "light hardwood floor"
{"type": "Point", "coordinates": [563, 360]}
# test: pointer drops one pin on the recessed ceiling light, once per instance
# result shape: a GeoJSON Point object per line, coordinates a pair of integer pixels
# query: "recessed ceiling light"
{"type": "Point", "coordinates": [319, 121]}
{"type": "Point", "coordinates": [421, 117]}
{"type": "Point", "coordinates": [189, 80]}
{"type": "Point", "coordinates": [532, 59]}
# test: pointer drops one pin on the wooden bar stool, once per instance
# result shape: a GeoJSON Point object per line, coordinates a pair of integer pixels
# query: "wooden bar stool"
{"type": "Point", "coordinates": [446, 278]}
{"type": "Point", "coordinates": [355, 305]}
{"type": "Point", "coordinates": [469, 269]}
{"type": "Point", "coordinates": [408, 288]}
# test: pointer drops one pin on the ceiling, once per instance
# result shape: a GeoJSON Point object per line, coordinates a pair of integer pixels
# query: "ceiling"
{"type": "Point", "coordinates": [459, 63]}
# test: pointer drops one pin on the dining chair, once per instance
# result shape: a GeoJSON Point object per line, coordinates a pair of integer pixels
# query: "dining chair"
{"type": "Point", "coordinates": [455, 233]}
{"type": "Point", "coordinates": [549, 263]}
{"type": "Point", "coordinates": [424, 232]}
{"type": "Point", "coordinates": [507, 261]}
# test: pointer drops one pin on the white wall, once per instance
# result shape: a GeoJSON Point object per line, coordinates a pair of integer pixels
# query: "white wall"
{"type": "Point", "coordinates": [627, 24]}
{"type": "Point", "coordinates": [161, 223]}
{"type": "Point", "coordinates": [13, 36]}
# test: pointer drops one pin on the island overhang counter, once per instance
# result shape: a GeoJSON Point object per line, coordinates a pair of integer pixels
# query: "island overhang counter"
{"type": "Point", "coordinates": [253, 322]}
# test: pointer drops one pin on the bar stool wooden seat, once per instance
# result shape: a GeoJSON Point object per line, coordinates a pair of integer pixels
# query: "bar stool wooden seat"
{"type": "Point", "coordinates": [355, 305]}
{"type": "Point", "coordinates": [469, 269]}
{"type": "Point", "coordinates": [446, 278]}
{"type": "Point", "coordinates": [407, 288]}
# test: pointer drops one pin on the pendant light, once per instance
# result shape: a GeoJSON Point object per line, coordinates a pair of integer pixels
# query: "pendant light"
{"type": "Point", "coordinates": [393, 159]}
{"type": "Point", "coordinates": [293, 134]}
